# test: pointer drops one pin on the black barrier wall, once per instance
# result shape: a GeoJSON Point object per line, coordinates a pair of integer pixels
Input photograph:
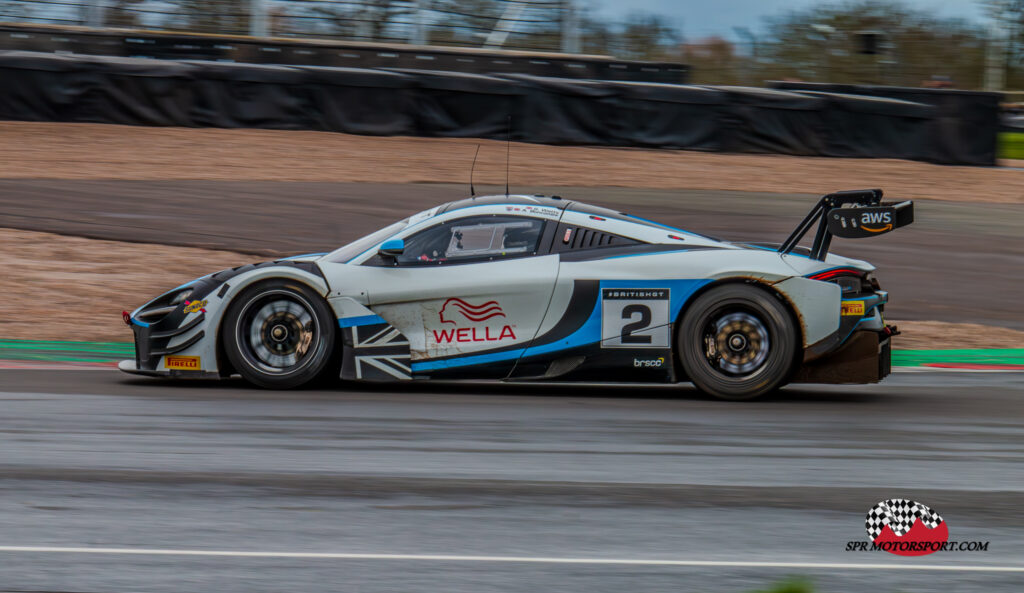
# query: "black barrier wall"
{"type": "Point", "coordinates": [49, 87]}
{"type": "Point", "coordinates": [965, 123]}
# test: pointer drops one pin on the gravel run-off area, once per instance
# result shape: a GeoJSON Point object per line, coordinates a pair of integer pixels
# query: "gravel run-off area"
{"type": "Point", "coordinates": [98, 151]}
{"type": "Point", "coordinates": [70, 288]}
{"type": "Point", "coordinates": [59, 287]}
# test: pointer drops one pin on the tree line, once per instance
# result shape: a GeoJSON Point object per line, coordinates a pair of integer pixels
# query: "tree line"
{"type": "Point", "coordinates": [851, 41]}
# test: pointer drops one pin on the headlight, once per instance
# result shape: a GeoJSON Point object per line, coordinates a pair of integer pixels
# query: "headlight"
{"type": "Point", "coordinates": [181, 296]}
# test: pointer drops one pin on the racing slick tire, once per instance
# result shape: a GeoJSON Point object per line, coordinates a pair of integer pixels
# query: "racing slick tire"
{"type": "Point", "coordinates": [737, 342]}
{"type": "Point", "coordinates": [280, 334]}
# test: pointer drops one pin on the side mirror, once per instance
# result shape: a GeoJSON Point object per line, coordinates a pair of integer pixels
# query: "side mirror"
{"type": "Point", "coordinates": [392, 248]}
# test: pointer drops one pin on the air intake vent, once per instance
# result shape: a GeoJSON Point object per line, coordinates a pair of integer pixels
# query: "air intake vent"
{"type": "Point", "coordinates": [587, 239]}
{"type": "Point", "coordinates": [573, 238]}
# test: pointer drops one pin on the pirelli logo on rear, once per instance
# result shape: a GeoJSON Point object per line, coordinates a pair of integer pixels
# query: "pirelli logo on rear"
{"type": "Point", "coordinates": [182, 363]}
{"type": "Point", "coordinates": [852, 308]}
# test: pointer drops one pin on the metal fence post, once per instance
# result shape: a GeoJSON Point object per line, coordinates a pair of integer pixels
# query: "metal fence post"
{"type": "Point", "coordinates": [94, 14]}
{"type": "Point", "coordinates": [506, 25]}
{"type": "Point", "coordinates": [995, 58]}
{"type": "Point", "coordinates": [258, 18]}
{"type": "Point", "coordinates": [419, 29]}
{"type": "Point", "coordinates": [570, 28]}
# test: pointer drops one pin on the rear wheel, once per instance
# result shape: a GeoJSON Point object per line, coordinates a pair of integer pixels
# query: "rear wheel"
{"type": "Point", "coordinates": [279, 334]}
{"type": "Point", "coordinates": [737, 342]}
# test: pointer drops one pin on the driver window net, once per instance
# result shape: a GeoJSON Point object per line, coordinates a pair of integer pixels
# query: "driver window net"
{"type": "Point", "coordinates": [494, 239]}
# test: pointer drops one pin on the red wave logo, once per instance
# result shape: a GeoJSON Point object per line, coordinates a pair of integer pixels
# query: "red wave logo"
{"type": "Point", "coordinates": [474, 313]}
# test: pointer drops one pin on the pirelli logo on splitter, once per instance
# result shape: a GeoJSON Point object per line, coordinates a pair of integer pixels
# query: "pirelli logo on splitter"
{"type": "Point", "coordinates": [182, 363]}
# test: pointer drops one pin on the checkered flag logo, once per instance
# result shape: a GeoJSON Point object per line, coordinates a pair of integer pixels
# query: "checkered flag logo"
{"type": "Point", "coordinates": [899, 514]}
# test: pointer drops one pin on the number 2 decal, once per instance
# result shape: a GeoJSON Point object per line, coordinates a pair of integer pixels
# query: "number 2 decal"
{"type": "Point", "coordinates": [635, 318]}
{"type": "Point", "coordinates": [628, 337]}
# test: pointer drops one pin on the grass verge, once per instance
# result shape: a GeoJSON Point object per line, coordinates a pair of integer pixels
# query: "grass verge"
{"type": "Point", "coordinates": [1010, 145]}
{"type": "Point", "coordinates": [58, 351]}
{"type": "Point", "coordinates": [915, 358]}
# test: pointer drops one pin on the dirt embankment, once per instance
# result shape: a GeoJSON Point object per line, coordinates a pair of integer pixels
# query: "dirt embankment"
{"type": "Point", "coordinates": [96, 151]}
{"type": "Point", "coordinates": [58, 287]}
{"type": "Point", "coordinates": [70, 288]}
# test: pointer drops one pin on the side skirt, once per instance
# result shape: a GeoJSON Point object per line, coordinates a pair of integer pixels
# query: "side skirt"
{"type": "Point", "coordinates": [591, 363]}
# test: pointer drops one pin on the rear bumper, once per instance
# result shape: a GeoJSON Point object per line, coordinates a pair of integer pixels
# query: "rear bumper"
{"type": "Point", "coordinates": [866, 357]}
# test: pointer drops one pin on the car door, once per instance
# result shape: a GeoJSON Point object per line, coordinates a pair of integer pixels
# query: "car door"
{"type": "Point", "coordinates": [469, 293]}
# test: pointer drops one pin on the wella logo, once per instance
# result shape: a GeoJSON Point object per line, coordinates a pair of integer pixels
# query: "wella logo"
{"type": "Point", "coordinates": [474, 313]}
{"type": "Point", "coordinates": [470, 334]}
{"type": "Point", "coordinates": [454, 308]}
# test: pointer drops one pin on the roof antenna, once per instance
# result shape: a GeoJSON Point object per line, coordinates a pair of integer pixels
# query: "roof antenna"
{"type": "Point", "coordinates": [508, 149]}
{"type": "Point", "coordinates": [472, 190]}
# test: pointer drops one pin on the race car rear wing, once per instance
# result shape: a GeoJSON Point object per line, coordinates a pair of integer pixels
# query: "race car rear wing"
{"type": "Point", "coordinates": [850, 214]}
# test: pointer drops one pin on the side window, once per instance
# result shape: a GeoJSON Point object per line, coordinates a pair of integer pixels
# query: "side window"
{"type": "Point", "coordinates": [479, 238]}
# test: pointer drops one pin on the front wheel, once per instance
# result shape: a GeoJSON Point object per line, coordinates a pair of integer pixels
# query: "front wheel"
{"type": "Point", "coordinates": [279, 334]}
{"type": "Point", "coordinates": [737, 342]}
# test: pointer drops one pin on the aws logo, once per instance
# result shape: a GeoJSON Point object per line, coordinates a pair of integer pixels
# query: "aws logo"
{"type": "Point", "coordinates": [457, 311]}
{"type": "Point", "coordinates": [881, 221]}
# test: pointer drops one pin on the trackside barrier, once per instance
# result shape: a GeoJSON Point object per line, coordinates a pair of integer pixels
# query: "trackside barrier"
{"type": "Point", "coordinates": [40, 86]}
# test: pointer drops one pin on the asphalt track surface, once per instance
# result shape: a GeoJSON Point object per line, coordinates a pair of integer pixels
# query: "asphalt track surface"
{"type": "Point", "coordinates": [112, 484]}
{"type": "Point", "coordinates": [445, 486]}
{"type": "Point", "coordinates": [958, 262]}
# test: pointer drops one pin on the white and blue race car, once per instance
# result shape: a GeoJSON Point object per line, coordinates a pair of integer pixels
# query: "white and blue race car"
{"type": "Point", "coordinates": [540, 288]}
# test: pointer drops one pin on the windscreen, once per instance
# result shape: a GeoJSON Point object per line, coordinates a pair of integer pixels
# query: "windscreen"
{"type": "Point", "coordinates": [352, 250]}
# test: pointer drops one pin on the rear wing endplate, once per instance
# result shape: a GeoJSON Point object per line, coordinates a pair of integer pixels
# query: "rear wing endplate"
{"type": "Point", "coordinates": [853, 214]}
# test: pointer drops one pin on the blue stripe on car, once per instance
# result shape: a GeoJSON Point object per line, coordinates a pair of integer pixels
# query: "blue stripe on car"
{"type": "Point", "coordinates": [466, 360]}
{"type": "Point", "coordinates": [776, 250]}
{"type": "Point", "coordinates": [360, 320]}
{"type": "Point", "coordinates": [667, 227]}
{"type": "Point", "coordinates": [684, 249]}
{"type": "Point", "coordinates": [586, 334]}
{"type": "Point", "coordinates": [590, 332]}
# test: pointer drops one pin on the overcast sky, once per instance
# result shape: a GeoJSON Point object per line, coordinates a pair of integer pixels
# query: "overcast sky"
{"type": "Point", "coordinates": [701, 18]}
